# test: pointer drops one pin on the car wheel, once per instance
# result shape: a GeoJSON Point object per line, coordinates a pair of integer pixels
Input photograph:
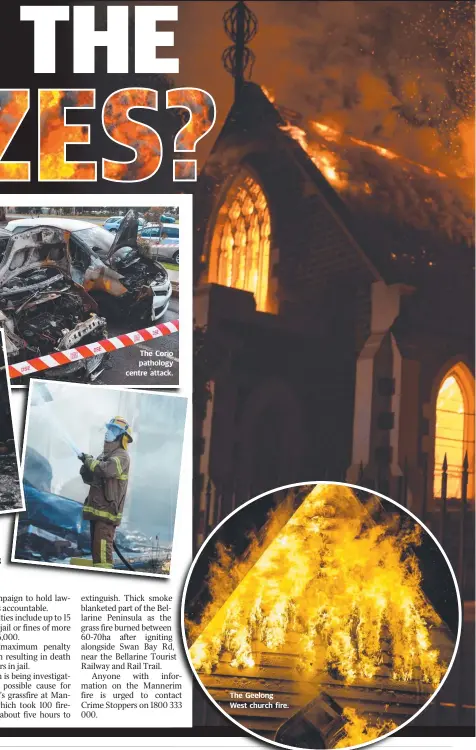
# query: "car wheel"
{"type": "Point", "coordinates": [176, 257]}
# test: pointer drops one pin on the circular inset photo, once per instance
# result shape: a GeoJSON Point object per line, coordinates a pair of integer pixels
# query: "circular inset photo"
{"type": "Point", "coordinates": [321, 616]}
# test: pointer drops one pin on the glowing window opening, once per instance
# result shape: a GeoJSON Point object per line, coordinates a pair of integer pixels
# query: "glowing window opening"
{"type": "Point", "coordinates": [454, 434]}
{"type": "Point", "coordinates": [241, 241]}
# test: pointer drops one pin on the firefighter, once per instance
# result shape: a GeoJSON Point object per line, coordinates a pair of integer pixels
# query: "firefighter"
{"type": "Point", "coordinates": [107, 476]}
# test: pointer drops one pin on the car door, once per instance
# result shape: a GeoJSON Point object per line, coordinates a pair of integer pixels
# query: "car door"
{"type": "Point", "coordinates": [155, 238]}
{"type": "Point", "coordinates": [91, 272]}
{"type": "Point", "coordinates": [152, 236]}
{"type": "Point", "coordinates": [80, 259]}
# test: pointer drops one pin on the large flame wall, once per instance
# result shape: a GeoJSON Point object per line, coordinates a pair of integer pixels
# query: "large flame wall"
{"type": "Point", "coordinates": [340, 585]}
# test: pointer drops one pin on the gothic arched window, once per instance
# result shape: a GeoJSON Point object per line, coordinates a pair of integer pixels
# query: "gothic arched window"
{"type": "Point", "coordinates": [240, 255]}
{"type": "Point", "coordinates": [454, 430]}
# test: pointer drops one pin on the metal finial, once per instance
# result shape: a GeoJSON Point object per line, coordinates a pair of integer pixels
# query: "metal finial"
{"type": "Point", "coordinates": [241, 26]}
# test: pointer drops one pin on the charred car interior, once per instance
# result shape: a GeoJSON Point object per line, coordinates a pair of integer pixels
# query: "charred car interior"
{"type": "Point", "coordinates": [113, 268]}
{"type": "Point", "coordinates": [42, 309]}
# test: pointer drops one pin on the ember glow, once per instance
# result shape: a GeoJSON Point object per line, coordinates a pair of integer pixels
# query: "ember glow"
{"type": "Point", "coordinates": [357, 729]}
{"type": "Point", "coordinates": [54, 134]}
{"type": "Point", "coordinates": [123, 129]}
{"type": "Point", "coordinates": [13, 106]}
{"type": "Point", "coordinates": [329, 163]}
{"type": "Point", "coordinates": [325, 160]}
{"type": "Point", "coordinates": [340, 586]}
{"type": "Point", "coordinates": [384, 94]}
{"type": "Point", "coordinates": [449, 436]}
{"type": "Point", "coordinates": [185, 170]}
{"type": "Point", "coordinates": [200, 118]}
{"type": "Point", "coordinates": [242, 241]}
{"type": "Point", "coordinates": [418, 195]}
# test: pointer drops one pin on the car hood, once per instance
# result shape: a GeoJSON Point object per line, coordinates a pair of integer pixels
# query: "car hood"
{"type": "Point", "coordinates": [126, 235]}
{"type": "Point", "coordinates": [34, 248]}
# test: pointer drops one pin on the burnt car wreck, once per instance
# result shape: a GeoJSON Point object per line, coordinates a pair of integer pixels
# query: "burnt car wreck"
{"type": "Point", "coordinates": [42, 310]}
{"type": "Point", "coordinates": [119, 274]}
{"type": "Point", "coordinates": [58, 287]}
{"type": "Point", "coordinates": [10, 496]}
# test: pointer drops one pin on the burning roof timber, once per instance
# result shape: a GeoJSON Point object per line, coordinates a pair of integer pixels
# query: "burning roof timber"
{"type": "Point", "coordinates": [332, 604]}
{"type": "Point", "coordinates": [408, 218]}
{"type": "Point", "coordinates": [274, 674]}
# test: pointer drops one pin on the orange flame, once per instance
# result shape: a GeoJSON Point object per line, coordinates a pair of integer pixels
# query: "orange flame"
{"type": "Point", "coordinates": [442, 204]}
{"type": "Point", "coordinates": [326, 161]}
{"type": "Point", "coordinates": [269, 93]}
{"type": "Point", "coordinates": [392, 155]}
{"type": "Point", "coordinates": [329, 133]}
{"type": "Point", "coordinates": [185, 170]}
{"type": "Point", "coordinates": [334, 167]}
{"type": "Point", "coordinates": [338, 584]}
{"type": "Point", "coordinates": [127, 132]}
{"type": "Point", "coordinates": [201, 119]}
{"type": "Point", "coordinates": [54, 134]}
{"type": "Point", "coordinates": [357, 730]}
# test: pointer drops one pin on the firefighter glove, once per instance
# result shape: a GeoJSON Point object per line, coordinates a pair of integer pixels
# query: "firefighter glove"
{"type": "Point", "coordinates": [86, 474]}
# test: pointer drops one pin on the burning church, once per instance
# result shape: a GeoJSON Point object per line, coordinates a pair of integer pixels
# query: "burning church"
{"type": "Point", "coordinates": [334, 308]}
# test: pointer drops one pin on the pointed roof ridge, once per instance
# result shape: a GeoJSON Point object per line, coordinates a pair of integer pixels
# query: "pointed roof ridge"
{"type": "Point", "coordinates": [253, 98]}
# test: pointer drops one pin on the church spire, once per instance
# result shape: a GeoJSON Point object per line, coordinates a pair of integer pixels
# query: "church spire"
{"type": "Point", "coordinates": [241, 26]}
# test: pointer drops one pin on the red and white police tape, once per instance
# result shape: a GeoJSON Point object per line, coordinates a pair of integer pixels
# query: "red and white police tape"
{"type": "Point", "coordinates": [56, 359]}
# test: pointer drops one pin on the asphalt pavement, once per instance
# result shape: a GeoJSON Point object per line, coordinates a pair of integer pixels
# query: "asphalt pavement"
{"type": "Point", "coordinates": [155, 363]}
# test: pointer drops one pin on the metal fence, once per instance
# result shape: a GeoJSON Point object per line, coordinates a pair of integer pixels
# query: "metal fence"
{"type": "Point", "coordinates": [451, 519]}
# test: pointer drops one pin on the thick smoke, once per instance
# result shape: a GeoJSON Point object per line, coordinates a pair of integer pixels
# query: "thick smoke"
{"type": "Point", "coordinates": [397, 73]}
{"type": "Point", "coordinates": [394, 73]}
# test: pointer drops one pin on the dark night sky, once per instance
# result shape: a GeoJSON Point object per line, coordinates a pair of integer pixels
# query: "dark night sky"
{"type": "Point", "coordinates": [355, 62]}
{"type": "Point", "coordinates": [397, 71]}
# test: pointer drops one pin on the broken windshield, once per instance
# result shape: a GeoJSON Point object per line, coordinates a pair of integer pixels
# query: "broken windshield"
{"type": "Point", "coordinates": [95, 238]}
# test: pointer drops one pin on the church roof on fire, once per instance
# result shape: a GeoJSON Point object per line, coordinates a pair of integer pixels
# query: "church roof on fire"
{"type": "Point", "coordinates": [411, 221]}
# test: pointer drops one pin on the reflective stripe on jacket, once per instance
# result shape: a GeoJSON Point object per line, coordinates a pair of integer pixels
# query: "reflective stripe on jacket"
{"type": "Point", "coordinates": [107, 494]}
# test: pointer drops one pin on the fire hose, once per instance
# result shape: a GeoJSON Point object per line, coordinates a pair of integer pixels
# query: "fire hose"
{"type": "Point", "coordinates": [121, 556]}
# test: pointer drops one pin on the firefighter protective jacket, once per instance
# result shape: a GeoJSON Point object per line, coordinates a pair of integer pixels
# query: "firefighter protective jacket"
{"type": "Point", "coordinates": [110, 474]}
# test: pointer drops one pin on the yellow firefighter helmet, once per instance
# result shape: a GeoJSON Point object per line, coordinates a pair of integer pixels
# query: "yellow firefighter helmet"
{"type": "Point", "coordinates": [122, 427]}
